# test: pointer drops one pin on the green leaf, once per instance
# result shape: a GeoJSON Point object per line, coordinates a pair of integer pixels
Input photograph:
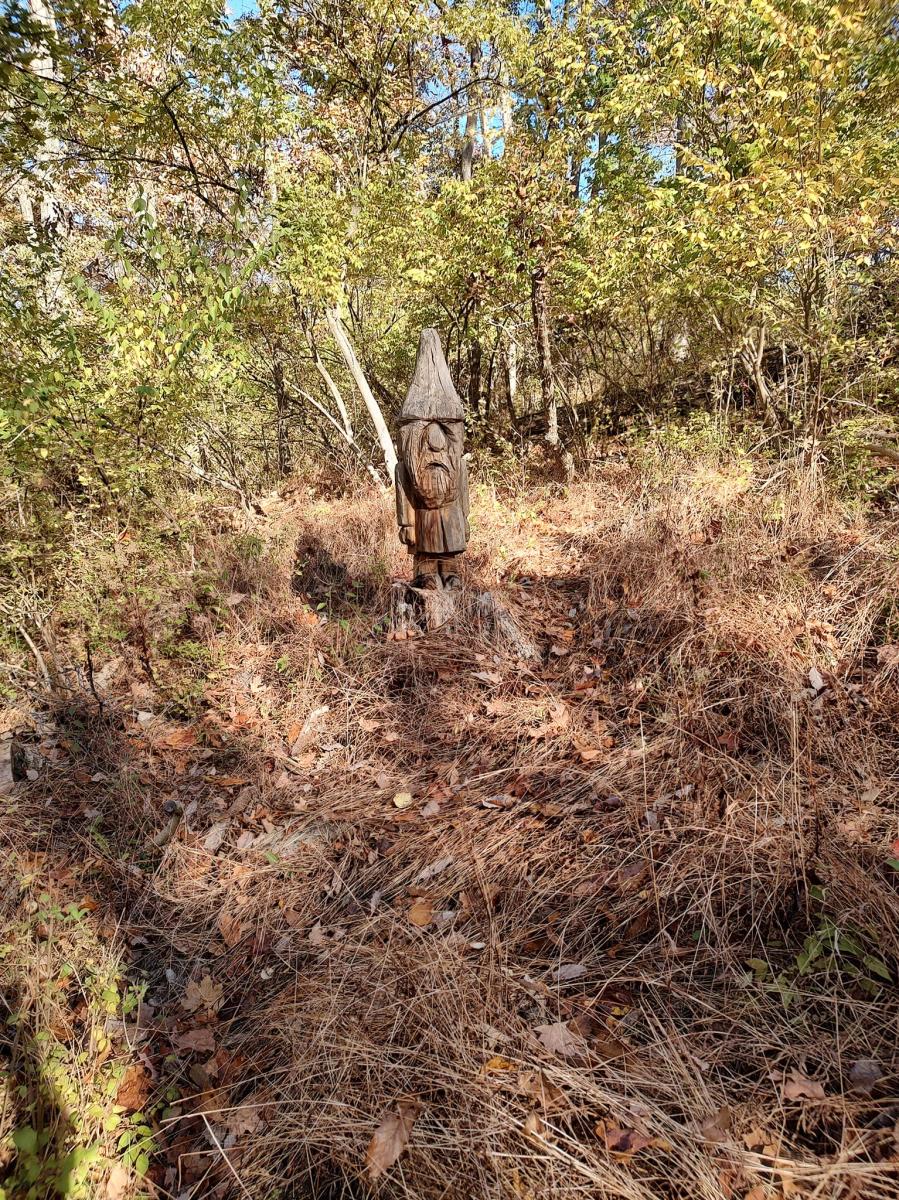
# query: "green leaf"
{"type": "Point", "coordinates": [73, 1167]}
{"type": "Point", "coordinates": [876, 967]}
{"type": "Point", "coordinates": [25, 1140]}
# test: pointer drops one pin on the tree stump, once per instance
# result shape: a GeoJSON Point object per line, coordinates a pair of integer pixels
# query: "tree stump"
{"type": "Point", "coordinates": [414, 611]}
{"type": "Point", "coordinates": [499, 626]}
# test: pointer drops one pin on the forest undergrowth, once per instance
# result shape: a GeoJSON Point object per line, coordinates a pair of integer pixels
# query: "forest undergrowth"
{"type": "Point", "coordinates": [346, 916]}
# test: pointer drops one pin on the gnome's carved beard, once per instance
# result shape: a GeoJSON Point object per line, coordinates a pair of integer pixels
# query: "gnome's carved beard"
{"type": "Point", "coordinates": [434, 473]}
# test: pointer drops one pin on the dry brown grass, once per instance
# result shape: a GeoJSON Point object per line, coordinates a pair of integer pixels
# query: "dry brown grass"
{"type": "Point", "coordinates": [701, 774]}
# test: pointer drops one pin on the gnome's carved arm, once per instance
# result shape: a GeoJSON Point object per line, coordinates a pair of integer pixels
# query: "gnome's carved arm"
{"type": "Point", "coordinates": [405, 513]}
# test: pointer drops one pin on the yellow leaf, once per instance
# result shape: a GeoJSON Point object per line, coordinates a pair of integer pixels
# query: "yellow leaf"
{"type": "Point", "coordinates": [497, 1063]}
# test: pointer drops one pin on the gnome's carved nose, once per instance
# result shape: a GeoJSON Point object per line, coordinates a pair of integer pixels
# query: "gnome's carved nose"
{"type": "Point", "coordinates": [436, 437]}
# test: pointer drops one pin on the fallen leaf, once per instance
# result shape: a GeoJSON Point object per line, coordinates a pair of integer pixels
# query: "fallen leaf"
{"type": "Point", "coordinates": [117, 1183]}
{"type": "Point", "coordinates": [538, 1087]}
{"type": "Point", "coordinates": [559, 1039]}
{"type": "Point", "coordinates": [431, 809]}
{"type": "Point", "coordinates": [497, 1063]}
{"type": "Point", "coordinates": [888, 656]}
{"type": "Point", "coordinates": [434, 869]}
{"type": "Point", "coordinates": [421, 913]}
{"type": "Point", "coordinates": [391, 1138]}
{"type": "Point", "coordinates": [800, 1087]}
{"type": "Point", "coordinates": [716, 1127]}
{"type": "Point", "coordinates": [181, 739]}
{"type": "Point", "coordinates": [402, 799]}
{"type": "Point", "coordinates": [569, 971]}
{"type": "Point", "coordinates": [231, 929]}
{"type": "Point", "coordinates": [864, 1075]}
{"type": "Point", "coordinates": [200, 1039]}
{"type": "Point", "coordinates": [205, 994]}
{"type": "Point", "coordinates": [317, 936]}
{"type": "Point", "coordinates": [133, 1089]}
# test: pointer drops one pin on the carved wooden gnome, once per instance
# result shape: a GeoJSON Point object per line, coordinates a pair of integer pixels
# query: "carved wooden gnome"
{"type": "Point", "coordinates": [432, 474]}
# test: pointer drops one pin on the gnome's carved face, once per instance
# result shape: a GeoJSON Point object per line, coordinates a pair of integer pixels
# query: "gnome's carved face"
{"type": "Point", "coordinates": [432, 451]}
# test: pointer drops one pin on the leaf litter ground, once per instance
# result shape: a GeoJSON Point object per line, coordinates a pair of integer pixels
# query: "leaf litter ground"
{"type": "Point", "coordinates": [418, 919]}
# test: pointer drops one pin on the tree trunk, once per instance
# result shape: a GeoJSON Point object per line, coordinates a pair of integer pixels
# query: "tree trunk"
{"type": "Point", "coordinates": [471, 118]}
{"type": "Point", "coordinates": [505, 107]}
{"type": "Point", "coordinates": [474, 377]}
{"type": "Point", "coordinates": [283, 430]}
{"type": "Point", "coordinates": [752, 358]}
{"type": "Point", "coordinates": [540, 311]}
{"type": "Point", "coordinates": [41, 209]}
{"type": "Point", "coordinates": [680, 137]}
{"type": "Point", "coordinates": [333, 390]}
{"type": "Point", "coordinates": [348, 438]}
{"type": "Point", "coordinates": [345, 346]}
{"type": "Point", "coordinates": [511, 358]}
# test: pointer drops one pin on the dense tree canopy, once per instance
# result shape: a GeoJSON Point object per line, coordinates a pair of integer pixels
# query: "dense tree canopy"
{"type": "Point", "coordinates": [221, 235]}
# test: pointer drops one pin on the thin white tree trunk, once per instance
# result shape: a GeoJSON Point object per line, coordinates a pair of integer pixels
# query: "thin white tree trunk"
{"type": "Point", "coordinates": [41, 208]}
{"type": "Point", "coordinates": [512, 372]}
{"type": "Point", "coordinates": [345, 346]}
{"type": "Point", "coordinates": [333, 389]}
{"type": "Point", "coordinates": [505, 92]}
{"type": "Point", "coordinates": [347, 436]}
{"type": "Point", "coordinates": [471, 117]}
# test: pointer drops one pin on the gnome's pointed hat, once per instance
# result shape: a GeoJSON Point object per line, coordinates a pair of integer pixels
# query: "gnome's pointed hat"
{"type": "Point", "coordinates": [431, 395]}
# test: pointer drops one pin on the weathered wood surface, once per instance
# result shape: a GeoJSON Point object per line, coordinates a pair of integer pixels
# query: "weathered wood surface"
{"type": "Point", "coordinates": [497, 625]}
{"type": "Point", "coordinates": [432, 474]}
{"type": "Point", "coordinates": [432, 514]}
{"type": "Point", "coordinates": [414, 611]}
{"type": "Point", "coordinates": [418, 611]}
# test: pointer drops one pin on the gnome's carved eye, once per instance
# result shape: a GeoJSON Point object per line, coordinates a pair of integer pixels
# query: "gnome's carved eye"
{"type": "Point", "coordinates": [436, 438]}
